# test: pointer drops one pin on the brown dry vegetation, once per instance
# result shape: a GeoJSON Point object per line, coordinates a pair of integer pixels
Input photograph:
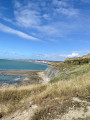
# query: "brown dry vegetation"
{"type": "Point", "coordinates": [53, 99]}
{"type": "Point", "coordinates": [57, 98]}
{"type": "Point", "coordinates": [73, 71]}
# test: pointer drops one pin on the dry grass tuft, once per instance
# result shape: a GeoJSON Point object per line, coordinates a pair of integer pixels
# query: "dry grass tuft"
{"type": "Point", "coordinates": [52, 99]}
{"type": "Point", "coordinates": [57, 98]}
{"type": "Point", "coordinates": [12, 99]}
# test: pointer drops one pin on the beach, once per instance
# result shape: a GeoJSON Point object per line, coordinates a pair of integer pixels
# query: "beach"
{"type": "Point", "coordinates": [30, 76]}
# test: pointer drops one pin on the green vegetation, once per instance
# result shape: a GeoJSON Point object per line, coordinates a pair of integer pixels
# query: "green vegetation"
{"type": "Point", "coordinates": [53, 99]}
{"type": "Point", "coordinates": [72, 72]}
{"type": "Point", "coordinates": [79, 60]}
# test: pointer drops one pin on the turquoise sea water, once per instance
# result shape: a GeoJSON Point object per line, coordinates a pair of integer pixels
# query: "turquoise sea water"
{"type": "Point", "coordinates": [17, 65]}
{"type": "Point", "coordinates": [21, 65]}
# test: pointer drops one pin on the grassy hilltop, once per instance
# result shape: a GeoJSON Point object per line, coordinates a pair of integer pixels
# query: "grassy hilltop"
{"type": "Point", "coordinates": [69, 92]}
{"type": "Point", "coordinates": [79, 60]}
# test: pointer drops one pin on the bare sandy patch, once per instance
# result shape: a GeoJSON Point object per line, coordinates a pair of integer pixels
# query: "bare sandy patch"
{"type": "Point", "coordinates": [45, 79]}
{"type": "Point", "coordinates": [24, 115]}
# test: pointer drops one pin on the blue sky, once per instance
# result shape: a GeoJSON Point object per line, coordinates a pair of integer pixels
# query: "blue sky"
{"type": "Point", "coordinates": [44, 29]}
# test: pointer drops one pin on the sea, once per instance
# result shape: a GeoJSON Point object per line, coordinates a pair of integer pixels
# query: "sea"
{"type": "Point", "coordinates": [6, 64]}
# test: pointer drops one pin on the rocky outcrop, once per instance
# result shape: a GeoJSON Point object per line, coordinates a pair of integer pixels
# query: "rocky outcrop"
{"type": "Point", "coordinates": [51, 72]}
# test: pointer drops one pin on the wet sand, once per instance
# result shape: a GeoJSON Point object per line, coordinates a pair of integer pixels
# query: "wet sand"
{"type": "Point", "coordinates": [31, 76]}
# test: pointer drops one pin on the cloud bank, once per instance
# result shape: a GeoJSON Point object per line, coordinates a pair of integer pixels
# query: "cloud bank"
{"type": "Point", "coordinates": [7, 29]}
{"type": "Point", "coordinates": [57, 57]}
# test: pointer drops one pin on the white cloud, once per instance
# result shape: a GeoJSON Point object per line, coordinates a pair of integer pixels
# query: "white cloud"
{"type": "Point", "coordinates": [59, 3]}
{"type": "Point", "coordinates": [67, 11]}
{"type": "Point", "coordinates": [50, 30]}
{"type": "Point", "coordinates": [27, 18]}
{"type": "Point", "coordinates": [17, 4]}
{"type": "Point", "coordinates": [9, 53]}
{"type": "Point", "coordinates": [58, 29]}
{"type": "Point", "coordinates": [27, 15]}
{"type": "Point", "coordinates": [64, 8]}
{"type": "Point", "coordinates": [16, 32]}
{"type": "Point", "coordinates": [46, 16]}
{"type": "Point", "coordinates": [73, 55]}
{"type": "Point", "coordinates": [82, 51]}
{"type": "Point", "coordinates": [48, 19]}
{"type": "Point", "coordinates": [57, 57]}
{"type": "Point", "coordinates": [7, 19]}
{"type": "Point", "coordinates": [30, 17]}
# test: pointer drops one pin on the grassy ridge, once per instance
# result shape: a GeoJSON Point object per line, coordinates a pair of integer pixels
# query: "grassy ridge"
{"type": "Point", "coordinates": [57, 98]}
{"type": "Point", "coordinates": [12, 98]}
{"type": "Point", "coordinates": [72, 72]}
{"type": "Point", "coordinates": [79, 60]}
{"type": "Point", "coordinates": [53, 99]}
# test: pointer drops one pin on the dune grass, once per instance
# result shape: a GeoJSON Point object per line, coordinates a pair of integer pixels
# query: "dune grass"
{"type": "Point", "coordinates": [53, 99]}
{"type": "Point", "coordinates": [12, 98]}
{"type": "Point", "coordinates": [57, 98]}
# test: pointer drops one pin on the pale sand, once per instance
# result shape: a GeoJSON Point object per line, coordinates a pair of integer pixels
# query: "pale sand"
{"type": "Point", "coordinates": [22, 115]}
{"type": "Point", "coordinates": [45, 79]}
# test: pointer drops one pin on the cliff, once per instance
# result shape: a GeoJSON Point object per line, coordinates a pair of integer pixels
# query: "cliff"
{"type": "Point", "coordinates": [51, 72]}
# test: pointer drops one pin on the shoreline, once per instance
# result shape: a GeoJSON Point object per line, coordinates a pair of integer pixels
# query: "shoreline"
{"type": "Point", "coordinates": [30, 77]}
{"type": "Point", "coordinates": [45, 62]}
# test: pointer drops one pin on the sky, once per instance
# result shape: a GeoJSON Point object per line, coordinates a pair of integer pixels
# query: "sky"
{"type": "Point", "coordinates": [44, 29]}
